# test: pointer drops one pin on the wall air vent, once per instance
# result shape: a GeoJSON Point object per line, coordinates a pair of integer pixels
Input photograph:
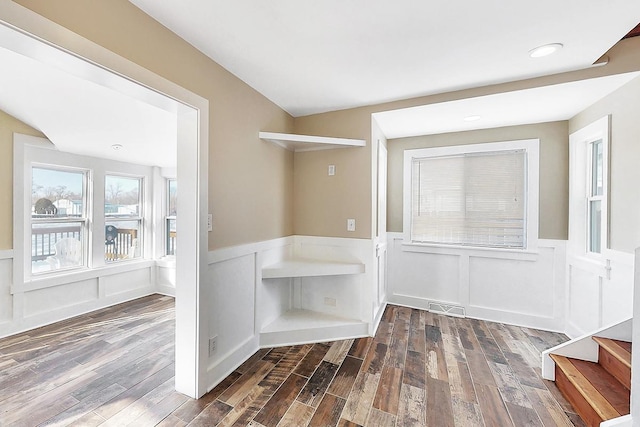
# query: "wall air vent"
{"type": "Point", "coordinates": [449, 310]}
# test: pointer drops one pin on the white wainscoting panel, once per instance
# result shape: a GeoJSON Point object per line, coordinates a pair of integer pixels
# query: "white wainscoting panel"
{"type": "Point", "coordinates": [513, 286]}
{"type": "Point", "coordinates": [635, 355]}
{"type": "Point", "coordinates": [117, 284]}
{"type": "Point", "coordinates": [600, 292]}
{"type": "Point", "coordinates": [617, 290]}
{"type": "Point", "coordinates": [6, 299]}
{"type": "Point", "coordinates": [231, 302]}
{"type": "Point", "coordinates": [234, 301]}
{"type": "Point", "coordinates": [424, 276]}
{"type": "Point", "coordinates": [521, 288]}
{"type": "Point", "coordinates": [37, 304]}
{"type": "Point", "coordinates": [59, 297]}
{"type": "Point", "coordinates": [165, 277]}
{"type": "Point", "coordinates": [584, 311]}
{"type": "Point", "coordinates": [242, 306]}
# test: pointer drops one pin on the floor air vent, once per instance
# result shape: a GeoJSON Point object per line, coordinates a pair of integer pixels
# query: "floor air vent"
{"type": "Point", "coordinates": [449, 310]}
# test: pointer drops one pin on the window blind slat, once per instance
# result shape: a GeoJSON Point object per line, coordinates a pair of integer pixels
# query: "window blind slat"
{"type": "Point", "coordinates": [474, 199]}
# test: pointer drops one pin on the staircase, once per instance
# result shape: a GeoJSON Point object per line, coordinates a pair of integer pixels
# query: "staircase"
{"type": "Point", "coordinates": [597, 391]}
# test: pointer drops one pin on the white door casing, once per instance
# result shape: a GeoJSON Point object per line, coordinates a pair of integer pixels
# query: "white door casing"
{"type": "Point", "coordinates": [381, 235]}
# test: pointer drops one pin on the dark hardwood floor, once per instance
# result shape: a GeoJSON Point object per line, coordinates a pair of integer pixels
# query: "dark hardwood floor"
{"type": "Point", "coordinates": [114, 367]}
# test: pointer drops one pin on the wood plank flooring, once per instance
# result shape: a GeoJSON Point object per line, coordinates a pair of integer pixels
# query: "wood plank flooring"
{"type": "Point", "coordinates": [114, 367]}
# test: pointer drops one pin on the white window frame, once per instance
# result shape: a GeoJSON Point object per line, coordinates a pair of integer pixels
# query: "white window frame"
{"type": "Point", "coordinates": [84, 220]}
{"type": "Point", "coordinates": [591, 197]}
{"type": "Point", "coordinates": [167, 216]}
{"type": "Point", "coordinates": [531, 148]}
{"type": "Point", "coordinates": [139, 218]}
{"type": "Point", "coordinates": [580, 182]}
{"type": "Point", "coordinates": [28, 150]}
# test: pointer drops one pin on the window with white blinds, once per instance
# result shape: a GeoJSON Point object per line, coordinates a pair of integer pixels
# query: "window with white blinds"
{"type": "Point", "coordinates": [470, 195]}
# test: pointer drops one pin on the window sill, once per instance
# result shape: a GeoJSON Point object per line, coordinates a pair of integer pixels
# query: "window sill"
{"type": "Point", "coordinates": [167, 261]}
{"type": "Point", "coordinates": [479, 252]}
{"type": "Point", "coordinates": [77, 275]}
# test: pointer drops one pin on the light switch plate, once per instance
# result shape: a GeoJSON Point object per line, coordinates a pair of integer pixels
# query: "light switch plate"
{"type": "Point", "coordinates": [332, 170]}
{"type": "Point", "coordinates": [351, 224]}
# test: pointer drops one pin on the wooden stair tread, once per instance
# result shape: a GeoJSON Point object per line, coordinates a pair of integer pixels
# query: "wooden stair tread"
{"type": "Point", "coordinates": [608, 386]}
{"type": "Point", "coordinates": [621, 350]}
{"type": "Point", "coordinates": [581, 374]}
{"type": "Point", "coordinates": [624, 344]}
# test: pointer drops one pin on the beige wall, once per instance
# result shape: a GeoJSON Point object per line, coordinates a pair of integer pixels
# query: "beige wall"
{"type": "Point", "coordinates": [624, 169]}
{"type": "Point", "coordinates": [554, 169]}
{"type": "Point", "coordinates": [292, 194]}
{"type": "Point", "coordinates": [250, 181]}
{"type": "Point", "coordinates": [8, 126]}
{"type": "Point", "coordinates": [322, 204]}
{"type": "Point", "coordinates": [353, 198]}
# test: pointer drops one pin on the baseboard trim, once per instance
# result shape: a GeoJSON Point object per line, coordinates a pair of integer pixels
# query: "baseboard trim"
{"type": "Point", "coordinates": [230, 362]}
{"type": "Point", "coordinates": [39, 320]}
{"type": "Point", "coordinates": [486, 314]}
{"type": "Point", "coordinates": [169, 291]}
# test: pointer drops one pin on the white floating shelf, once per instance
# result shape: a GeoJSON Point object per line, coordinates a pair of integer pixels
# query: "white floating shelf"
{"type": "Point", "coordinates": [299, 143]}
{"type": "Point", "coordinates": [309, 267]}
{"type": "Point", "coordinates": [306, 319]}
{"type": "Point", "coordinates": [301, 326]}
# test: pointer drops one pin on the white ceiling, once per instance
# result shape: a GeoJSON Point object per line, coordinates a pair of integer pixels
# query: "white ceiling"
{"type": "Point", "coordinates": [539, 105]}
{"type": "Point", "coordinates": [58, 95]}
{"type": "Point", "coordinates": [310, 56]}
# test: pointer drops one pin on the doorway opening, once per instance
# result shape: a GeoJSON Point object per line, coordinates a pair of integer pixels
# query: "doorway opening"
{"type": "Point", "coordinates": [24, 32]}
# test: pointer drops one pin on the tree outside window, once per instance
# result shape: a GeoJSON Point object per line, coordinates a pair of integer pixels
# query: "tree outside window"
{"type": "Point", "coordinates": [58, 218]}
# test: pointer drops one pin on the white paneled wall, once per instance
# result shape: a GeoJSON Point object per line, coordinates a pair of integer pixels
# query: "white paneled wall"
{"type": "Point", "coordinates": [45, 301]}
{"type": "Point", "coordinates": [530, 289]}
{"type": "Point", "coordinates": [503, 286]}
{"type": "Point", "coordinates": [635, 355]}
{"type": "Point", "coordinates": [230, 302]}
{"type": "Point", "coordinates": [241, 304]}
{"type": "Point", "coordinates": [166, 276]}
{"type": "Point", "coordinates": [599, 292]}
{"type": "Point", "coordinates": [6, 300]}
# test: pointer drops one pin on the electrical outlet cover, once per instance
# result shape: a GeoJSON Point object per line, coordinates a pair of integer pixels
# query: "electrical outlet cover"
{"type": "Point", "coordinates": [213, 342]}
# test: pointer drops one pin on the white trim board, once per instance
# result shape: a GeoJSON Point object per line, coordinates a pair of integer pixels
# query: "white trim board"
{"type": "Point", "coordinates": [89, 60]}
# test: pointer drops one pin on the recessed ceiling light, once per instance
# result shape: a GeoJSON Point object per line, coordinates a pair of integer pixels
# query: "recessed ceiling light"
{"type": "Point", "coordinates": [472, 118]}
{"type": "Point", "coordinates": [116, 146]}
{"type": "Point", "coordinates": [545, 50]}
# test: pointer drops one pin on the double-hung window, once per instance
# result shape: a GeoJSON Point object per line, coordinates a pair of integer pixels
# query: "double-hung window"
{"type": "Point", "coordinates": [170, 219]}
{"type": "Point", "coordinates": [59, 218]}
{"type": "Point", "coordinates": [75, 213]}
{"type": "Point", "coordinates": [481, 195]}
{"type": "Point", "coordinates": [123, 217]}
{"type": "Point", "coordinates": [595, 196]}
{"type": "Point", "coordinates": [588, 191]}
